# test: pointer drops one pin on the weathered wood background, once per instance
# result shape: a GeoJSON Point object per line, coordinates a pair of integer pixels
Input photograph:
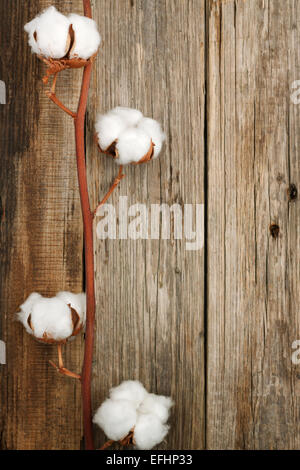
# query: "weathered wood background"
{"type": "Point", "coordinates": [214, 328]}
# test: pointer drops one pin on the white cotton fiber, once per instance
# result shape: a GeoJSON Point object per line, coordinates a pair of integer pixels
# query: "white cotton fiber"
{"type": "Point", "coordinates": [131, 132]}
{"type": "Point", "coordinates": [30, 28]}
{"type": "Point", "coordinates": [116, 418]}
{"type": "Point", "coordinates": [26, 309]}
{"type": "Point", "coordinates": [152, 129]}
{"type": "Point", "coordinates": [157, 405]}
{"type": "Point", "coordinates": [130, 116]}
{"type": "Point", "coordinates": [77, 302]}
{"type": "Point", "coordinates": [108, 127]}
{"type": "Point", "coordinates": [87, 37]}
{"type": "Point", "coordinates": [53, 317]}
{"type": "Point", "coordinates": [133, 144]}
{"type": "Point", "coordinates": [131, 407]}
{"type": "Point", "coordinates": [130, 390]}
{"type": "Point", "coordinates": [149, 431]}
{"type": "Point", "coordinates": [52, 34]}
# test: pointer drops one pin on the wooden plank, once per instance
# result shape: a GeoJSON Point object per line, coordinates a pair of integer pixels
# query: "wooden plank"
{"type": "Point", "coordinates": [253, 277]}
{"type": "Point", "coordinates": [41, 238]}
{"type": "Point", "coordinates": [150, 293]}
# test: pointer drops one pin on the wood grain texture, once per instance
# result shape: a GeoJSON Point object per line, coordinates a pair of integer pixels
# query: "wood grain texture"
{"type": "Point", "coordinates": [150, 293]}
{"type": "Point", "coordinates": [212, 328]}
{"type": "Point", "coordinates": [41, 238]}
{"type": "Point", "coordinates": [253, 278]}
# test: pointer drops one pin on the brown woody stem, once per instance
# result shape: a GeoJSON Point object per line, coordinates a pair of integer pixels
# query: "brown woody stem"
{"type": "Point", "coordinates": [110, 191]}
{"type": "Point", "coordinates": [87, 216]}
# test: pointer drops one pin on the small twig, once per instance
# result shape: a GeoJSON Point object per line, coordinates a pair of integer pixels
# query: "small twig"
{"type": "Point", "coordinates": [60, 368]}
{"type": "Point", "coordinates": [110, 191]}
{"type": "Point", "coordinates": [107, 444]}
{"type": "Point", "coordinates": [53, 97]}
{"type": "Point", "coordinates": [127, 441]}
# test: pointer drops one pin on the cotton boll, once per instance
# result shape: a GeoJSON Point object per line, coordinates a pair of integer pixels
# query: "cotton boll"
{"type": "Point", "coordinates": [149, 431]}
{"type": "Point", "coordinates": [53, 317]}
{"type": "Point", "coordinates": [133, 144]}
{"type": "Point", "coordinates": [157, 405]}
{"type": "Point", "coordinates": [77, 302]}
{"type": "Point", "coordinates": [86, 35]}
{"type": "Point", "coordinates": [130, 116]}
{"type": "Point", "coordinates": [108, 127]}
{"type": "Point", "coordinates": [26, 309]}
{"type": "Point", "coordinates": [52, 33]}
{"type": "Point", "coordinates": [153, 129]}
{"type": "Point", "coordinates": [130, 390]}
{"type": "Point", "coordinates": [116, 418]}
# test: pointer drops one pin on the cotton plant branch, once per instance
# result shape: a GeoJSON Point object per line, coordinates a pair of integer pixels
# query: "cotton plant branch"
{"type": "Point", "coordinates": [129, 138]}
{"type": "Point", "coordinates": [88, 217]}
{"type": "Point", "coordinates": [132, 416]}
{"type": "Point", "coordinates": [89, 257]}
{"type": "Point", "coordinates": [58, 55]}
{"type": "Point", "coordinates": [52, 96]}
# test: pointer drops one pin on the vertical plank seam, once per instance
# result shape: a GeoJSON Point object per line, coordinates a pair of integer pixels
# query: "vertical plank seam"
{"type": "Point", "coordinates": [205, 182]}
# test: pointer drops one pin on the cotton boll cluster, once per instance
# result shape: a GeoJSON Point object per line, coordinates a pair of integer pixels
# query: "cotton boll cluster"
{"type": "Point", "coordinates": [128, 136]}
{"type": "Point", "coordinates": [53, 35]}
{"type": "Point", "coordinates": [130, 408]}
{"type": "Point", "coordinates": [53, 319]}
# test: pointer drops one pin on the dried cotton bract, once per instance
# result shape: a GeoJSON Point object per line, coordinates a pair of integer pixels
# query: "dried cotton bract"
{"type": "Point", "coordinates": [128, 137]}
{"type": "Point", "coordinates": [55, 36]}
{"type": "Point", "coordinates": [131, 409]}
{"type": "Point", "coordinates": [53, 320]}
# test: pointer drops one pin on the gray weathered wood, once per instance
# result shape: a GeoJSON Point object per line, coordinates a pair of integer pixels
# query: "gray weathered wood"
{"type": "Point", "coordinates": [163, 57]}
{"type": "Point", "coordinates": [253, 278]}
{"type": "Point", "coordinates": [150, 293]}
{"type": "Point", "coordinates": [41, 238]}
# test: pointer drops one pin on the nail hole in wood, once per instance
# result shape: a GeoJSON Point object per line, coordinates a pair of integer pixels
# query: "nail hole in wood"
{"type": "Point", "coordinates": [292, 192]}
{"type": "Point", "coordinates": [274, 230]}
